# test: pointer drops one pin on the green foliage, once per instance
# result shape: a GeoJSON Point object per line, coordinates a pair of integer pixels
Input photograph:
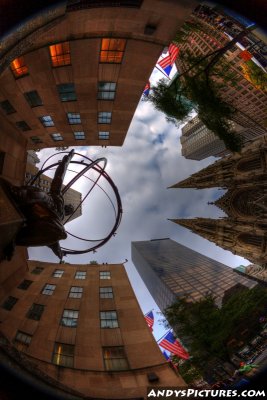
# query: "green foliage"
{"type": "Point", "coordinates": [189, 372]}
{"type": "Point", "coordinates": [209, 329]}
{"type": "Point", "coordinates": [256, 75]}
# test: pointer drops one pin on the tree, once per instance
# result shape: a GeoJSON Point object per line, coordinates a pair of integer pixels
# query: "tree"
{"type": "Point", "coordinates": [196, 89]}
{"type": "Point", "coordinates": [209, 330]}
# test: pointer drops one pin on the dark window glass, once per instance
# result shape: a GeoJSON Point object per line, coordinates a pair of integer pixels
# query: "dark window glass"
{"type": "Point", "coordinates": [48, 289]}
{"type": "Point", "coordinates": [103, 135]}
{"type": "Point", "coordinates": [35, 312]}
{"type": "Point", "coordinates": [2, 161]}
{"type": "Point", "coordinates": [36, 140]}
{"type": "Point", "coordinates": [63, 355]}
{"type": "Point", "coordinates": [23, 126]}
{"type": "Point", "coordinates": [104, 117]}
{"type": "Point", "coordinates": [7, 107]}
{"type": "Point", "coordinates": [70, 318]}
{"type": "Point", "coordinates": [33, 98]}
{"type": "Point", "coordinates": [58, 273]}
{"type": "Point", "coordinates": [37, 270]}
{"type": "Point", "coordinates": [74, 118]}
{"type": "Point", "coordinates": [76, 292]}
{"type": "Point", "coordinates": [66, 92]}
{"type": "Point", "coordinates": [108, 319]}
{"type": "Point", "coordinates": [106, 90]}
{"type": "Point", "coordinates": [24, 284]}
{"type": "Point", "coordinates": [46, 120]}
{"type": "Point", "coordinates": [80, 275]}
{"type": "Point", "coordinates": [104, 275]}
{"type": "Point", "coordinates": [56, 137]}
{"type": "Point", "coordinates": [115, 358]}
{"type": "Point", "coordinates": [22, 340]}
{"type": "Point", "coordinates": [106, 293]}
{"type": "Point", "coordinates": [9, 303]}
{"type": "Point", "coordinates": [79, 135]}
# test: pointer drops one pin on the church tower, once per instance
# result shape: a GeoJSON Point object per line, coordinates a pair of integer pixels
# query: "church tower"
{"type": "Point", "coordinates": [244, 175]}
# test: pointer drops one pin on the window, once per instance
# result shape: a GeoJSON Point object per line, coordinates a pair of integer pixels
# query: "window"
{"type": "Point", "coordinates": [63, 355]}
{"type": "Point", "coordinates": [115, 358]}
{"type": "Point", "coordinates": [23, 126]}
{"type": "Point", "coordinates": [112, 50]}
{"type": "Point", "coordinates": [108, 319]}
{"type": "Point", "coordinates": [76, 292]}
{"type": "Point", "coordinates": [70, 318]}
{"type": "Point", "coordinates": [66, 92]}
{"type": "Point", "coordinates": [80, 275]}
{"type": "Point", "coordinates": [58, 273]}
{"type": "Point", "coordinates": [2, 161]}
{"type": "Point", "coordinates": [33, 98]}
{"type": "Point", "coordinates": [35, 312]}
{"type": "Point", "coordinates": [106, 293]}
{"type": "Point", "coordinates": [104, 117]}
{"type": "Point", "coordinates": [36, 140]}
{"type": "Point", "coordinates": [48, 289]}
{"type": "Point", "coordinates": [7, 107]}
{"type": "Point", "coordinates": [9, 303]}
{"type": "Point", "coordinates": [18, 67]}
{"type": "Point", "coordinates": [79, 135]}
{"type": "Point", "coordinates": [22, 340]}
{"type": "Point", "coordinates": [37, 270]}
{"type": "Point", "coordinates": [103, 135]}
{"type": "Point", "coordinates": [46, 120]}
{"type": "Point", "coordinates": [60, 54]}
{"type": "Point", "coordinates": [106, 90]}
{"type": "Point", "coordinates": [56, 137]}
{"type": "Point", "coordinates": [104, 275]}
{"type": "Point", "coordinates": [24, 284]}
{"type": "Point", "coordinates": [74, 118]}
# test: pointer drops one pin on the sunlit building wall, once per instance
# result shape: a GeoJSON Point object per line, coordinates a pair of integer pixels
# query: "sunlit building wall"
{"type": "Point", "coordinates": [81, 327]}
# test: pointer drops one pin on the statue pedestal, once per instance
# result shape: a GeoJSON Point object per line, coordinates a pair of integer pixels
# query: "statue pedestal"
{"type": "Point", "coordinates": [11, 221]}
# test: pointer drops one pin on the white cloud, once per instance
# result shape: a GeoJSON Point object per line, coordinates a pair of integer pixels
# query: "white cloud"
{"type": "Point", "coordinates": [142, 169]}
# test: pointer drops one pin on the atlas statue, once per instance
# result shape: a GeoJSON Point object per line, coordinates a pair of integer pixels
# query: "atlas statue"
{"type": "Point", "coordinates": [43, 212]}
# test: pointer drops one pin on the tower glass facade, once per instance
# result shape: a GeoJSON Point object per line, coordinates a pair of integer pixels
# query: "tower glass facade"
{"type": "Point", "coordinates": [170, 269]}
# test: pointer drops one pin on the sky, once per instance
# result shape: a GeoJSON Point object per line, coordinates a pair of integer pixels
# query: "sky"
{"type": "Point", "coordinates": [143, 168]}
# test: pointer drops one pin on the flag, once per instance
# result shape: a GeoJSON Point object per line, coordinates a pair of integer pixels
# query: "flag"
{"type": "Point", "coordinates": [170, 343]}
{"type": "Point", "coordinates": [166, 355]}
{"type": "Point", "coordinates": [146, 89]}
{"type": "Point", "coordinates": [166, 65]}
{"type": "Point", "coordinates": [173, 52]}
{"type": "Point", "coordinates": [149, 317]}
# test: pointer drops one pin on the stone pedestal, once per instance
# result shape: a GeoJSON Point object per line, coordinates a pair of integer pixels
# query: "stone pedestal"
{"type": "Point", "coordinates": [11, 220]}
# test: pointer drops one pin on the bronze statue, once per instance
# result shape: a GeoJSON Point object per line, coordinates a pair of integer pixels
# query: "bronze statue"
{"type": "Point", "coordinates": [43, 212]}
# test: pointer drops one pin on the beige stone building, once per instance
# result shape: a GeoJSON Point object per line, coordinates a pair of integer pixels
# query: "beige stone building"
{"type": "Point", "coordinates": [243, 174]}
{"type": "Point", "coordinates": [81, 327]}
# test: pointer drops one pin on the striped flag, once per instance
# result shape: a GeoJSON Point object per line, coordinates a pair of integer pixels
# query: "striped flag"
{"type": "Point", "coordinates": [149, 317]}
{"type": "Point", "coordinates": [173, 52]}
{"type": "Point", "coordinates": [170, 343]}
{"type": "Point", "coordinates": [166, 355]}
{"type": "Point", "coordinates": [147, 89]}
{"type": "Point", "coordinates": [166, 65]}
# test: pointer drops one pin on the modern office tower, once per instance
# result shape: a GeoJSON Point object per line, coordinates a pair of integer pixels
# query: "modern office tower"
{"type": "Point", "coordinates": [171, 270]}
{"type": "Point", "coordinates": [72, 196]}
{"type": "Point", "coordinates": [74, 75]}
{"type": "Point", "coordinates": [254, 271]}
{"type": "Point", "coordinates": [198, 142]}
{"type": "Point", "coordinates": [243, 174]}
{"type": "Point", "coordinates": [243, 92]}
{"type": "Point", "coordinates": [79, 329]}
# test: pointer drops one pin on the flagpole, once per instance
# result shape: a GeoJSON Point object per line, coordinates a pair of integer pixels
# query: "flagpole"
{"type": "Point", "coordinates": [164, 335]}
{"type": "Point", "coordinates": [162, 72]}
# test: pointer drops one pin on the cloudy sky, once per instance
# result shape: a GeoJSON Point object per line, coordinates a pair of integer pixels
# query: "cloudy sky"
{"type": "Point", "coordinates": [149, 161]}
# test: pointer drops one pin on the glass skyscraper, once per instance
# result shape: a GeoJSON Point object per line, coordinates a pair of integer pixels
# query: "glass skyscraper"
{"type": "Point", "coordinates": [170, 269]}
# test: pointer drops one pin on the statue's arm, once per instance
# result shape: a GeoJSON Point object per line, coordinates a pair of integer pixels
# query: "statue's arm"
{"type": "Point", "coordinates": [57, 182]}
